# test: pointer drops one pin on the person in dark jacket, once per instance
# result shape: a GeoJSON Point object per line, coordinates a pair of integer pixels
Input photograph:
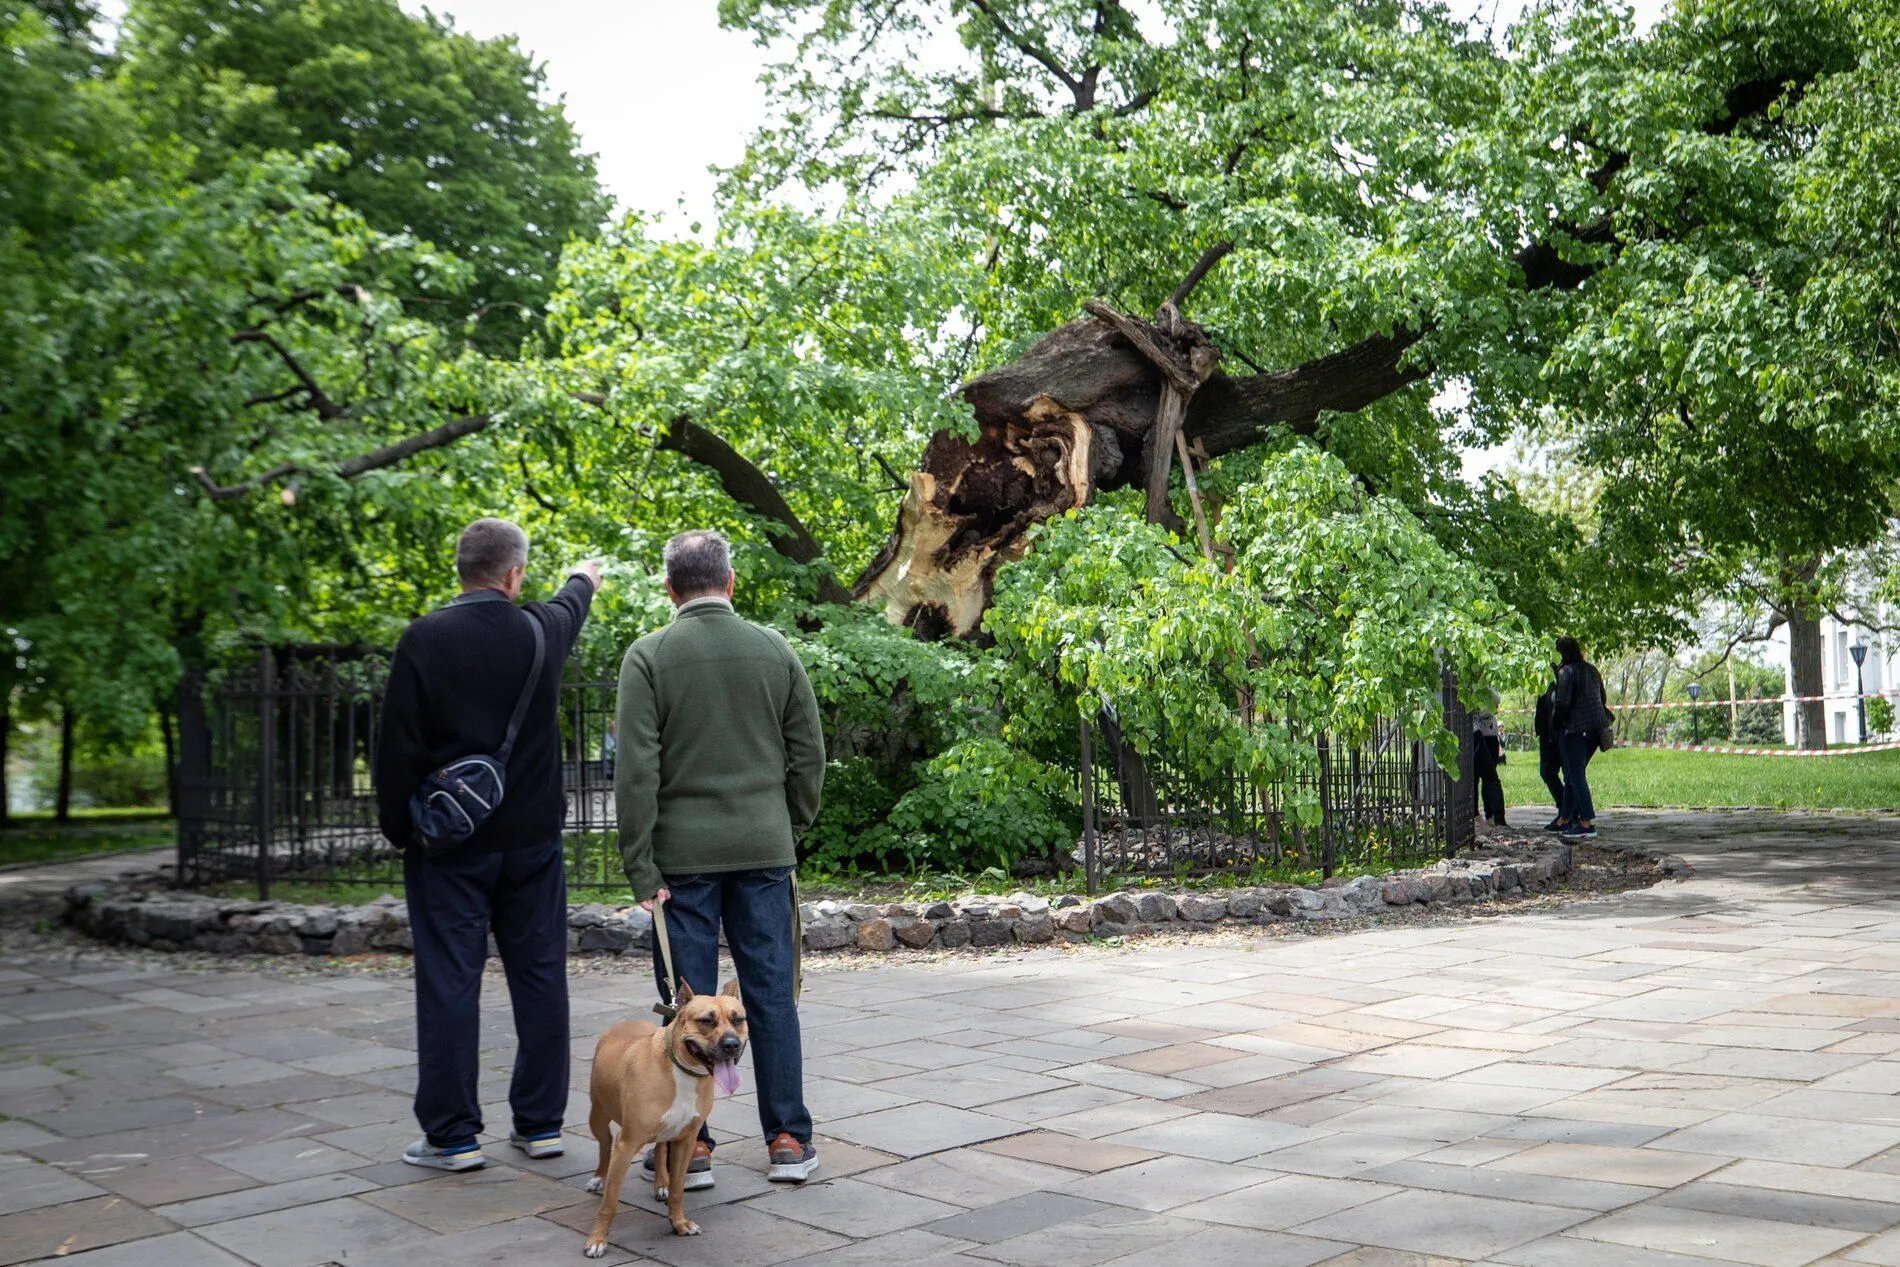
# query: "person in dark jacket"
{"type": "Point", "coordinates": [453, 683]}
{"type": "Point", "coordinates": [1490, 755]}
{"type": "Point", "coordinates": [1582, 716]}
{"type": "Point", "coordinates": [1550, 758]}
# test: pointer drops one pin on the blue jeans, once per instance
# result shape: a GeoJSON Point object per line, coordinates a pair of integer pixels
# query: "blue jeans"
{"type": "Point", "coordinates": [1577, 750]}
{"type": "Point", "coordinates": [756, 909]}
{"type": "Point", "coordinates": [453, 902]}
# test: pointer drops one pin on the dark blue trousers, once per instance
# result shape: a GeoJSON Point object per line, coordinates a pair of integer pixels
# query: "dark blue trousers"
{"type": "Point", "coordinates": [756, 909]}
{"type": "Point", "coordinates": [453, 903]}
{"type": "Point", "coordinates": [1577, 751]}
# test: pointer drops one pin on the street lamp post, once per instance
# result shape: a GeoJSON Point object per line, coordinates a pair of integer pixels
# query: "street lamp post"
{"type": "Point", "coordinates": [1695, 718]}
{"type": "Point", "coordinates": [1859, 652]}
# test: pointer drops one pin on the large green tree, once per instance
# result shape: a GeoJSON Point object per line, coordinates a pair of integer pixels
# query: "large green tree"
{"type": "Point", "coordinates": [450, 138]}
{"type": "Point", "coordinates": [160, 332]}
{"type": "Point", "coordinates": [1559, 220]}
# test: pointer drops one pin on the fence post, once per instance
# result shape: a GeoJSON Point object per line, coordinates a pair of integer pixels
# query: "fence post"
{"type": "Point", "coordinates": [266, 765]}
{"type": "Point", "coordinates": [1326, 858]}
{"type": "Point", "coordinates": [1088, 808]}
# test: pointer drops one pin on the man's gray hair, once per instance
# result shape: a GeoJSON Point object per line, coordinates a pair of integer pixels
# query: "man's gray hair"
{"type": "Point", "coordinates": [486, 550]}
{"type": "Point", "coordinates": [698, 562]}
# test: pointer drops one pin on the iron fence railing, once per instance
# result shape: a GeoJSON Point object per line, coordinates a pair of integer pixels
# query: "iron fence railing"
{"type": "Point", "coordinates": [1382, 803]}
{"type": "Point", "coordinates": [276, 783]}
{"type": "Point", "coordinates": [276, 786]}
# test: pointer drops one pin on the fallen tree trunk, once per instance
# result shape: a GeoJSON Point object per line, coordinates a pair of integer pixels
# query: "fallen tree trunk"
{"type": "Point", "coordinates": [1068, 420]}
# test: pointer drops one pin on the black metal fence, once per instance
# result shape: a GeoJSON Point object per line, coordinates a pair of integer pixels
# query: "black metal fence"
{"type": "Point", "coordinates": [1383, 803]}
{"type": "Point", "coordinates": [276, 787]}
{"type": "Point", "coordinates": [276, 778]}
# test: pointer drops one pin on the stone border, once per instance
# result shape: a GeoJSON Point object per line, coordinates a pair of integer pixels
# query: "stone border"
{"type": "Point", "coordinates": [142, 913]}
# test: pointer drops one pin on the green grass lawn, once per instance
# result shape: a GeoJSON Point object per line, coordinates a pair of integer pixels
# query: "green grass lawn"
{"type": "Point", "coordinates": [1656, 777]}
{"type": "Point", "coordinates": [39, 839]}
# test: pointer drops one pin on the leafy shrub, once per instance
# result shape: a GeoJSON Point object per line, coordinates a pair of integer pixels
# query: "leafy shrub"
{"type": "Point", "coordinates": [983, 803]}
{"type": "Point", "coordinates": [1879, 715]}
{"type": "Point", "coordinates": [850, 831]}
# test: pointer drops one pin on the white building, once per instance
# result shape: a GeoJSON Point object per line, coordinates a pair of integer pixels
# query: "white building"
{"type": "Point", "coordinates": [1879, 675]}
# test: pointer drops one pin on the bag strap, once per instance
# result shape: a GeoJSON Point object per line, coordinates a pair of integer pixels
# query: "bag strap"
{"type": "Point", "coordinates": [527, 688]}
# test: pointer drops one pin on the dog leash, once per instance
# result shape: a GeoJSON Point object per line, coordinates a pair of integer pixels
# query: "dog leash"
{"type": "Point", "coordinates": [668, 1007]}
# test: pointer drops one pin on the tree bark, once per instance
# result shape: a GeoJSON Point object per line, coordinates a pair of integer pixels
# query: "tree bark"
{"type": "Point", "coordinates": [753, 489]}
{"type": "Point", "coordinates": [63, 799]}
{"type": "Point", "coordinates": [6, 735]}
{"type": "Point", "coordinates": [1071, 418]}
{"type": "Point", "coordinates": [165, 731]}
{"type": "Point", "coordinates": [1805, 677]}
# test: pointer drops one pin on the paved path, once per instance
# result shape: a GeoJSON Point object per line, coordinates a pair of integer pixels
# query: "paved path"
{"type": "Point", "coordinates": [1704, 1071]}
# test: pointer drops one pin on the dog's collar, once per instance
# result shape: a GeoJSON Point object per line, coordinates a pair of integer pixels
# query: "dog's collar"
{"type": "Point", "coordinates": [681, 1065]}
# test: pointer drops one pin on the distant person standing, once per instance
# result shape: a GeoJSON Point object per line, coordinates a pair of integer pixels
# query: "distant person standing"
{"type": "Point", "coordinates": [457, 680]}
{"type": "Point", "coordinates": [1583, 717]}
{"type": "Point", "coordinates": [722, 762]}
{"type": "Point", "coordinates": [1490, 755]}
{"type": "Point", "coordinates": [1550, 757]}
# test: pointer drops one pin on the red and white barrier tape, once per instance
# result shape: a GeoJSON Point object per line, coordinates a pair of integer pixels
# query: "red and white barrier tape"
{"type": "Point", "coordinates": [1845, 751]}
{"type": "Point", "coordinates": [1722, 703]}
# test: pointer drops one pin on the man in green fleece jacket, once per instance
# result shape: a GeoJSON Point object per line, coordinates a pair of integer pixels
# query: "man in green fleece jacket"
{"type": "Point", "coordinates": [720, 762]}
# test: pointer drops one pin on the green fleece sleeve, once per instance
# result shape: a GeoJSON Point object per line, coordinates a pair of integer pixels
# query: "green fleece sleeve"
{"type": "Point", "coordinates": [637, 773]}
{"type": "Point", "coordinates": [804, 749]}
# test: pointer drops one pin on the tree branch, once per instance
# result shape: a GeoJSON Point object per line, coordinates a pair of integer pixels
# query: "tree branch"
{"type": "Point", "coordinates": [375, 460]}
{"type": "Point", "coordinates": [1202, 267]}
{"type": "Point", "coordinates": [753, 489]}
{"type": "Point", "coordinates": [325, 408]}
{"type": "Point", "coordinates": [1032, 51]}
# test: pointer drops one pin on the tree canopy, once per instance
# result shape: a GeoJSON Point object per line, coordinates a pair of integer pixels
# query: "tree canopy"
{"type": "Point", "coordinates": [973, 258]}
{"type": "Point", "coordinates": [450, 139]}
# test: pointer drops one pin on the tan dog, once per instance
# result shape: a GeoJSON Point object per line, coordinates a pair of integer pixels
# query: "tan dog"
{"type": "Point", "coordinates": [656, 1085]}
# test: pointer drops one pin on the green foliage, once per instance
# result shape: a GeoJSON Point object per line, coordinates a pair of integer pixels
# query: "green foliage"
{"type": "Point", "coordinates": [449, 138]}
{"type": "Point", "coordinates": [1880, 715]}
{"type": "Point", "coordinates": [981, 802]}
{"type": "Point", "coordinates": [1340, 611]}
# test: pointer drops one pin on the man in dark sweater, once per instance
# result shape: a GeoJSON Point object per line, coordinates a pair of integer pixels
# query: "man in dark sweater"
{"type": "Point", "coordinates": [720, 763]}
{"type": "Point", "coordinates": [453, 683]}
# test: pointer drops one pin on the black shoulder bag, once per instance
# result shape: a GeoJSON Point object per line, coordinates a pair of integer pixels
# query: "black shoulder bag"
{"type": "Point", "coordinates": [454, 801]}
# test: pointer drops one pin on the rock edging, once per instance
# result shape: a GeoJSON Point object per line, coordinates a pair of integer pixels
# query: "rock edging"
{"type": "Point", "coordinates": [163, 919]}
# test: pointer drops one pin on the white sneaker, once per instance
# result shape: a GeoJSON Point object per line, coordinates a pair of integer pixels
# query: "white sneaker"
{"type": "Point", "coordinates": [461, 1157]}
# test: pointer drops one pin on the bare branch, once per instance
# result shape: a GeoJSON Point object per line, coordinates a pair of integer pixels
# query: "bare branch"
{"type": "Point", "coordinates": [321, 403]}
{"type": "Point", "coordinates": [375, 460]}
{"type": "Point", "coordinates": [1202, 267]}
{"type": "Point", "coordinates": [1033, 51]}
{"type": "Point", "coordinates": [1142, 335]}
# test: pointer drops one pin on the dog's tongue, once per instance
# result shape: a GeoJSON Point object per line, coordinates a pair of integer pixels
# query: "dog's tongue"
{"type": "Point", "coordinates": [726, 1076]}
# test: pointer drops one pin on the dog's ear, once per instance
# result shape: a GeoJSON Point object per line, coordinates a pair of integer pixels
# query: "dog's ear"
{"type": "Point", "coordinates": [730, 989]}
{"type": "Point", "coordinates": [685, 994]}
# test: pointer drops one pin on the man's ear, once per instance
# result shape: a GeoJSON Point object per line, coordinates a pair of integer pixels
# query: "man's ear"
{"type": "Point", "coordinates": [685, 994]}
{"type": "Point", "coordinates": [730, 989]}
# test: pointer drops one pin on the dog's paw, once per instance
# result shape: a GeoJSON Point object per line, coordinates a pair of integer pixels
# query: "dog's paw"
{"type": "Point", "coordinates": [597, 1185]}
{"type": "Point", "coordinates": [595, 1249]}
{"type": "Point", "coordinates": [686, 1227]}
{"type": "Point", "coordinates": [659, 1194]}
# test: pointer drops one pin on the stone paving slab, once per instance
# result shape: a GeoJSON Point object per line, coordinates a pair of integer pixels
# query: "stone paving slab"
{"type": "Point", "coordinates": [1704, 1072]}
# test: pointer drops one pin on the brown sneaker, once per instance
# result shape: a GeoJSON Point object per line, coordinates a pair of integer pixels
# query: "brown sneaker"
{"type": "Point", "coordinates": [699, 1175]}
{"type": "Point", "coordinates": [792, 1161]}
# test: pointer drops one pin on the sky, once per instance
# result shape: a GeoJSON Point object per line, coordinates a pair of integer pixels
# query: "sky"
{"type": "Point", "coordinates": [660, 93]}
